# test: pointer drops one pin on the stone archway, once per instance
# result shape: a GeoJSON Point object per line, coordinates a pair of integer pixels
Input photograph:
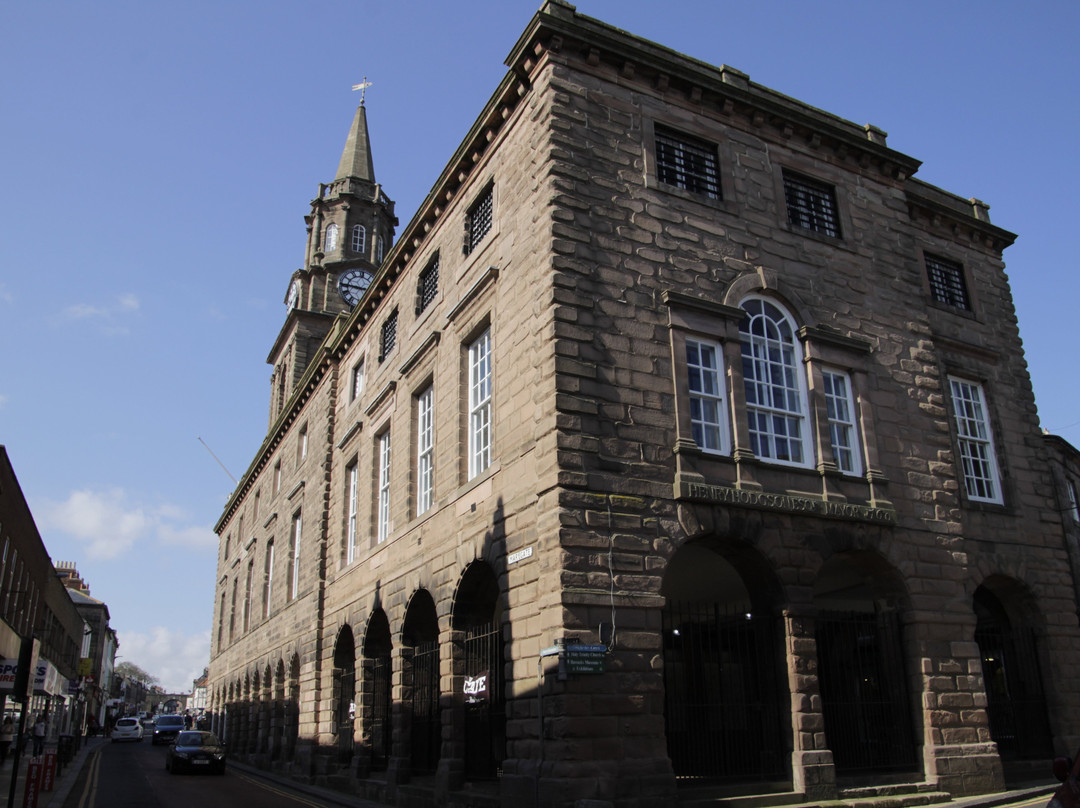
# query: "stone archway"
{"type": "Point", "coordinates": [421, 692]}
{"type": "Point", "coordinates": [1007, 634]}
{"type": "Point", "coordinates": [378, 690]}
{"type": "Point", "coordinates": [344, 692]}
{"type": "Point", "coordinates": [863, 667]}
{"type": "Point", "coordinates": [725, 699]}
{"type": "Point", "coordinates": [479, 646]}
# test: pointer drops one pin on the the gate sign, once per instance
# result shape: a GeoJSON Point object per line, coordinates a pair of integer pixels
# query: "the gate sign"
{"type": "Point", "coordinates": [476, 688]}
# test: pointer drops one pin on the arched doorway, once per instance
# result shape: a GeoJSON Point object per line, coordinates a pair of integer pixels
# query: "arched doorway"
{"type": "Point", "coordinates": [725, 700]}
{"type": "Point", "coordinates": [420, 657]}
{"type": "Point", "coordinates": [378, 647]}
{"type": "Point", "coordinates": [1012, 674]}
{"type": "Point", "coordinates": [478, 616]}
{"type": "Point", "coordinates": [863, 670]}
{"type": "Point", "coordinates": [344, 690]}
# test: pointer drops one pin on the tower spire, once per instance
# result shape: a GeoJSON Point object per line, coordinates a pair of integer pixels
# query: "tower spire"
{"type": "Point", "coordinates": [356, 158]}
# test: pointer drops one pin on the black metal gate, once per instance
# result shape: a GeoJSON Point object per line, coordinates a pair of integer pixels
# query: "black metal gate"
{"type": "Point", "coordinates": [864, 693]}
{"type": "Point", "coordinates": [722, 694]}
{"type": "Point", "coordinates": [1016, 704]}
{"type": "Point", "coordinates": [485, 710]}
{"type": "Point", "coordinates": [426, 733]}
{"type": "Point", "coordinates": [380, 727]}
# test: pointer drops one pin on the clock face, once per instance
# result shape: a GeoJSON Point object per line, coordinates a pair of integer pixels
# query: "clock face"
{"type": "Point", "coordinates": [352, 284]}
{"type": "Point", "coordinates": [294, 295]}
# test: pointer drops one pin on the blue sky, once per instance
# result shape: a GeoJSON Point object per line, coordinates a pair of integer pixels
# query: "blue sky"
{"type": "Point", "coordinates": [158, 159]}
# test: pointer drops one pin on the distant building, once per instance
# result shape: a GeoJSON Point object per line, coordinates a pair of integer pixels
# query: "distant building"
{"type": "Point", "coordinates": [34, 603]}
{"type": "Point", "coordinates": [198, 700]}
{"type": "Point", "coordinates": [99, 643]}
{"type": "Point", "coordinates": [682, 444]}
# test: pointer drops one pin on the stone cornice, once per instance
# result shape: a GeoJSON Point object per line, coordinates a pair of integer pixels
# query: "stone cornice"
{"type": "Point", "coordinates": [558, 31]}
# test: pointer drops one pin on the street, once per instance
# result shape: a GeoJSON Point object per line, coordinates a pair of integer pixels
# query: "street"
{"type": "Point", "coordinates": [133, 775]}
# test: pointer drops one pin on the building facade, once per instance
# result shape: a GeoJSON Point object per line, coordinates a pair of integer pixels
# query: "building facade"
{"type": "Point", "coordinates": [681, 443]}
{"type": "Point", "coordinates": [35, 606]}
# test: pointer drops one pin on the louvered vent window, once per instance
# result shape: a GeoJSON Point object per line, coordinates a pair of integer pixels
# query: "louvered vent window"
{"type": "Point", "coordinates": [811, 205]}
{"type": "Point", "coordinates": [687, 162]}
{"type": "Point", "coordinates": [947, 282]}
{"type": "Point", "coordinates": [479, 219]}
{"type": "Point", "coordinates": [429, 284]}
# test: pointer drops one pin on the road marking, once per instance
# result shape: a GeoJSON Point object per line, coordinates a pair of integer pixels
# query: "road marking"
{"type": "Point", "coordinates": [289, 794]}
{"type": "Point", "coordinates": [89, 795]}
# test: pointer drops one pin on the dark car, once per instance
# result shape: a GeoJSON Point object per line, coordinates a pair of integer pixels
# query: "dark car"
{"type": "Point", "coordinates": [196, 751]}
{"type": "Point", "coordinates": [167, 727]}
{"type": "Point", "coordinates": [1067, 770]}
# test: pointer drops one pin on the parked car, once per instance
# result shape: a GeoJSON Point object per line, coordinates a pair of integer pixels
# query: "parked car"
{"type": "Point", "coordinates": [127, 729]}
{"type": "Point", "coordinates": [1068, 772]}
{"type": "Point", "coordinates": [196, 751]}
{"type": "Point", "coordinates": [167, 727]}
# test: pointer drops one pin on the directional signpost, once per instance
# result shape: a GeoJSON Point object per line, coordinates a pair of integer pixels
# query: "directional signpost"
{"type": "Point", "coordinates": [585, 658]}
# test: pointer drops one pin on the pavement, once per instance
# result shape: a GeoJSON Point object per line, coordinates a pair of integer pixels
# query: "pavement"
{"type": "Point", "coordinates": [1035, 794]}
{"type": "Point", "coordinates": [62, 785]}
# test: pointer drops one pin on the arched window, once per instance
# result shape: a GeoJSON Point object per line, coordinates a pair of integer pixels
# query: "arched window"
{"type": "Point", "coordinates": [359, 238]}
{"type": "Point", "coordinates": [378, 249]}
{"type": "Point", "coordinates": [775, 386]}
{"type": "Point", "coordinates": [331, 238]}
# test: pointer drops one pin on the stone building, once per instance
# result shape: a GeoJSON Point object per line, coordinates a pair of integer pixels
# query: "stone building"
{"type": "Point", "coordinates": [681, 444]}
{"type": "Point", "coordinates": [99, 643]}
{"type": "Point", "coordinates": [36, 614]}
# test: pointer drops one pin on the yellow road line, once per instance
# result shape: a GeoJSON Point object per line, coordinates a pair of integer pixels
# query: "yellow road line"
{"type": "Point", "coordinates": [89, 794]}
{"type": "Point", "coordinates": [290, 794]}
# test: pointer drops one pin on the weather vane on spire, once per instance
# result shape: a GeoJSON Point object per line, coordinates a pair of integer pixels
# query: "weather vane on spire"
{"type": "Point", "coordinates": [362, 87]}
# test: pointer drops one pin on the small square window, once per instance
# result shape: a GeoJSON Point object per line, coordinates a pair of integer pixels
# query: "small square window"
{"type": "Point", "coordinates": [687, 162]}
{"type": "Point", "coordinates": [389, 336]}
{"type": "Point", "coordinates": [478, 220]}
{"type": "Point", "coordinates": [429, 285]}
{"type": "Point", "coordinates": [811, 205]}
{"type": "Point", "coordinates": [947, 282]}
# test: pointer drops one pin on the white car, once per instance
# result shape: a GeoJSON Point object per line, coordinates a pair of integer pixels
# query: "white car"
{"type": "Point", "coordinates": [127, 729]}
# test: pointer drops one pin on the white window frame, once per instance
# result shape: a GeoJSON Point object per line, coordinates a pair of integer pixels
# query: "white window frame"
{"type": "Point", "coordinates": [331, 241]}
{"type": "Point", "coordinates": [249, 580]}
{"type": "Point", "coordinates": [709, 422]}
{"type": "Point", "coordinates": [776, 413]}
{"type": "Point", "coordinates": [978, 465]}
{"type": "Point", "coordinates": [359, 238]}
{"type": "Point", "coordinates": [383, 517]}
{"type": "Point", "coordinates": [268, 578]}
{"type": "Point", "coordinates": [302, 444]}
{"type": "Point", "coordinates": [480, 404]}
{"type": "Point", "coordinates": [294, 566]}
{"type": "Point", "coordinates": [357, 387]}
{"type": "Point", "coordinates": [353, 497]}
{"type": "Point", "coordinates": [425, 449]}
{"type": "Point", "coordinates": [380, 249]}
{"type": "Point", "coordinates": [843, 432]}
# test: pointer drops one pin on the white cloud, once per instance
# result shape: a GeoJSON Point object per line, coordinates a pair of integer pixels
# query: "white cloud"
{"type": "Point", "coordinates": [174, 658]}
{"type": "Point", "coordinates": [108, 525]}
{"type": "Point", "coordinates": [107, 316]}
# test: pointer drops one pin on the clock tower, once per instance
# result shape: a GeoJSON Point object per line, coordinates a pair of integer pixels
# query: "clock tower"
{"type": "Point", "coordinates": [349, 229]}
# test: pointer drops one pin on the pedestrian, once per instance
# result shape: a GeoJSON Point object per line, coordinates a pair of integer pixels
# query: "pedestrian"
{"type": "Point", "coordinates": [39, 735]}
{"type": "Point", "coordinates": [7, 735]}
